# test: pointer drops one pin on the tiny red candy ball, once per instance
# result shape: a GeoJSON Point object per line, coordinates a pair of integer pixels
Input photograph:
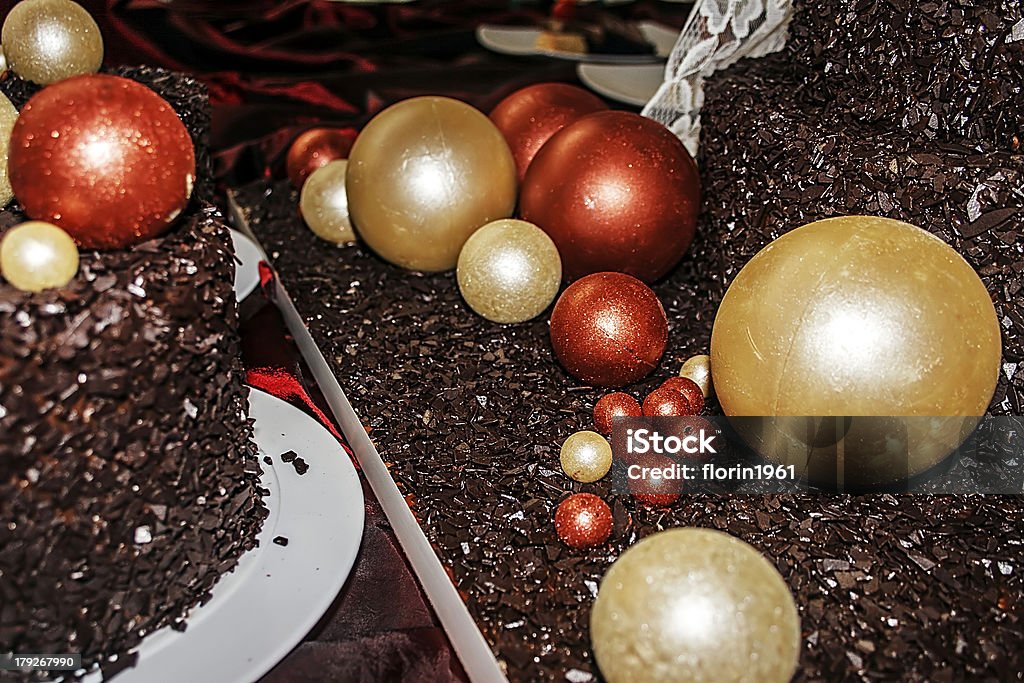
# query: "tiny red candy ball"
{"type": "Point", "coordinates": [616, 404]}
{"type": "Point", "coordinates": [651, 488]}
{"type": "Point", "coordinates": [315, 148]}
{"type": "Point", "coordinates": [688, 388]}
{"type": "Point", "coordinates": [666, 402]}
{"type": "Point", "coordinates": [583, 520]}
{"type": "Point", "coordinates": [104, 158]}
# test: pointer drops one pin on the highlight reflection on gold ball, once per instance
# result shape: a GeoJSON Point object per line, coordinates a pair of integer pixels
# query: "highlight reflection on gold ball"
{"type": "Point", "coordinates": [859, 316]}
{"type": "Point", "coordinates": [586, 456]}
{"type": "Point", "coordinates": [509, 271]}
{"type": "Point", "coordinates": [8, 115]}
{"type": "Point", "coordinates": [694, 606]}
{"type": "Point", "coordinates": [423, 175]}
{"type": "Point", "coordinates": [698, 368]}
{"type": "Point", "coordinates": [324, 203]}
{"type": "Point", "coordinates": [35, 256]}
{"type": "Point", "coordinates": [46, 41]}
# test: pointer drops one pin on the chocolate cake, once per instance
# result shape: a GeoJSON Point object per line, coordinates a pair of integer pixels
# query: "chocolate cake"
{"type": "Point", "coordinates": [128, 477]}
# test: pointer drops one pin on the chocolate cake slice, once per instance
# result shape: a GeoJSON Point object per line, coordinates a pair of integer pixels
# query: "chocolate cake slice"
{"type": "Point", "coordinates": [128, 475]}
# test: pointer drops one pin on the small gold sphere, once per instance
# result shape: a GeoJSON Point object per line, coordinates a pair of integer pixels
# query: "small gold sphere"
{"type": "Point", "coordinates": [35, 256]}
{"type": "Point", "coordinates": [46, 41]}
{"type": "Point", "coordinates": [509, 271]}
{"type": "Point", "coordinates": [324, 203]}
{"type": "Point", "coordinates": [586, 456]}
{"type": "Point", "coordinates": [698, 369]}
{"type": "Point", "coordinates": [8, 115]}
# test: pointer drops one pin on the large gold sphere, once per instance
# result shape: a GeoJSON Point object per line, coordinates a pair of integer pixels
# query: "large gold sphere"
{"type": "Point", "coordinates": [423, 175]}
{"type": "Point", "coordinates": [694, 606]}
{"type": "Point", "coordinates": [8, 115]}
{"type": "Point", "coordinates": [509, 271]}
{"type": "Point", "coordinates": [857, 316]}
{"type": "Point", "coordinates": [46, 41]}
{"type": "Point", "coordinates": [35, 256]}
{"type": "Point", "coordinates": [324, 203]}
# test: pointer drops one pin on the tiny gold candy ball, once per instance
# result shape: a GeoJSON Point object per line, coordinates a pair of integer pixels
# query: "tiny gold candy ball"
{"type": "Point", "coordinates": [509, 271]}
{"type": "Point", "coordinates": [46, 41]}
{"type": "Point", "coordinates": [698, 369]}
{"type": "Point", "coordinates": [324, 203]}
{"type": "Point", "coordinates": [586, 456]}
{"type": "Point", "coordinates": [694, 606]}
{"type": "Point", "coordinates": [8, 115]}
{"type": "Point", "coordinates": [35, 256]}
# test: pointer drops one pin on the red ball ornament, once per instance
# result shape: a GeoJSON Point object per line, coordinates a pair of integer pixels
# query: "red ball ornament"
{"type": "Point", "coordinates": [665, 402]}
{"type": "Point", "coordinates": [314, 149]}
{"type": "Point", "coordinates": [531, 115]}
{"type": "Point", "coordinates": [616, 404]}
{"type": "Point", "coordinates": [615, 191]}
{"type": "Point", "coordinates": [609, 329]}
{"type": "Point", "coordinates": [649, 484]}
{"type": "Point", "coordinates": [583, 520]}
{"type": "Point", "coordinates": [104, 158]}
{"type": "Point", "coordinates": [688, 388]}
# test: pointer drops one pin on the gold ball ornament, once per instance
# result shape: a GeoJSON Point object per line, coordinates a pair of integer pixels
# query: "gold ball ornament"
{"type": "Point", "coordinates": [324, 203]}
{"type": "Point", "coordinates": [35, 256]}
{"type": "Point", "coordinates": [694, 606]}
{"type": "Point", "coordinates": [698, 369]}
{"type": "Point", "coordinates": [8, 115]}
{"type": "Point", "coordinates": [509, 271]}
{"type": "Point", "coordinates": [423, 175]}
{"type": "Point", "coordinates": [586, 456]}
{"type": "Point", "coordinates": [857, 316]}
{"type": "Point", "coordinates": [46, 41]}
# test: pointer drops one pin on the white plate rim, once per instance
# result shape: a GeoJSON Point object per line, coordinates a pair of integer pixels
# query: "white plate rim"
{"type": "Point", "coordinates": [247, 264]}
{"type": "Point", "coordinates": [599, 77]}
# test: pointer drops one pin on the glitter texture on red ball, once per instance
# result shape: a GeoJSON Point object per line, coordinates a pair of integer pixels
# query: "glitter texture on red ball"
{"type": "Point", "coordinates": [314, 149]}
{"type": "Point", "coordinates": [609, 329]}
{"type": "Point", "coordinates": [615, 191]}
{"type": "Point", "coordinates": [688, 388]}
{"type": "Point", "coordinates": [665, 402]}
{"type": "Point", "coordinates": [583, 520]}
{"type": "Point", "coordinates": [103, 157]}
{"type": "Point", "coordinates": [531, 115]}
{"type": "Point", "coordinates": [648, 483]}
{"type": "Point", "coordinates": [616, 404]}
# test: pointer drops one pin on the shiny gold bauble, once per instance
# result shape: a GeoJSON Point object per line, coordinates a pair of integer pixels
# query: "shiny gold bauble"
{"type": "Point", "coordinates": [698, 369]}
{"type": "Point", "coordinates": [324, 203]}
{"type": "Point", "coordinates": [423, 175]}
{"type": "Point", "coordinates": [694, 606]}
{"type": "Point", "coordinates": [8, 115]}
{"type": "Point", "coordinates": [857, 316]}
{"type": "Point", "coordinates": [46, 41]}
{"type": "Point", "coordinates": [586, 456]}
{"type": "Point", "coordinates": [35, 256]}
{"type": "Point", "coordinates": [509, 271]}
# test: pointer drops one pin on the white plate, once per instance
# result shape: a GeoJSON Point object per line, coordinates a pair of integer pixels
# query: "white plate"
{"type": "Point", "coordinates": [247, 268]}
{"type": "Point", "coordinates": [633, 84]}
{"type": "Point", "coordinates": [522, 41]}
{"type": "Point", "coordinates": [262, 609]}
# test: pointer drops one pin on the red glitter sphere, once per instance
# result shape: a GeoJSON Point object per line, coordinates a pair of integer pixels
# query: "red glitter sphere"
{"type": "Point", "coordinates": [104, 158]}
{"type": "Point", "coordinates": [531, 115]}
{"type": "Point", "coordinates": [615, 191]}
{"type": "Point", "coordinates": [583, 520]}
{"type": "Point", "coordinates": [314, 149]}
{"type": "Point", "coordinates": [665, 402]}
{"type": "Point", "coordinates": [688, 388]}
{"type": "Point", "coordinates": [648, 483]}
{"type": "Point", "coordinates": [616, 404]}
{"type": "Point", "coordinates": [609, 329]}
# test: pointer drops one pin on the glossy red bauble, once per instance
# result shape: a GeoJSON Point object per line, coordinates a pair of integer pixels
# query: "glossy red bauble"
{"type": "Point", "coordinates": [314, 149]}
{"type": "Point", "coordinates": [616, 192]}
{"type": "Point", "coordinates": [609, 329]}
{"type": "Point", "coordinates": [531, 115]}
{"type": "Point", "coordinates": [583, 520]}
{"type": "Point", "coordinates": [652, 482]}
{"type": "Point", "coordinates": [688, 388]}
{"type": "Point", "coordinates": [665, 402]}
{"type": "Point", "coordinates": [104, 158]}
{"type": "Point", "coordinates": [610, 406]}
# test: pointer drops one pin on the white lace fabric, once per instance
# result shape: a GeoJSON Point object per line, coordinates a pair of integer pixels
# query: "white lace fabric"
{"type": "Point", "coordinates": [716, 35]}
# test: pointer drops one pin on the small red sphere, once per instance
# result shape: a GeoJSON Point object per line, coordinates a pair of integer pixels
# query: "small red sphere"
{"type": "Point", "coordinates": [666, 402]}
{"type": "Point", "coordinates": [583, 520]}
{"type": "Point", "coordinates": [609, 329]}
{"type": "Point", "coordinates": [615, 191]}
{"type": "Point", "coordinates": [315, 148]}
{"type": "Point", "coordinates": [104, 158]}
{"type": "Point", "coordinates": [651, 483]}
{"type": "Point", "coordinates": [531, 115]}
{"type": "Point", "coordinates": [616, 404]}
{"type": "Point", "coordinates": [688, 388]}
